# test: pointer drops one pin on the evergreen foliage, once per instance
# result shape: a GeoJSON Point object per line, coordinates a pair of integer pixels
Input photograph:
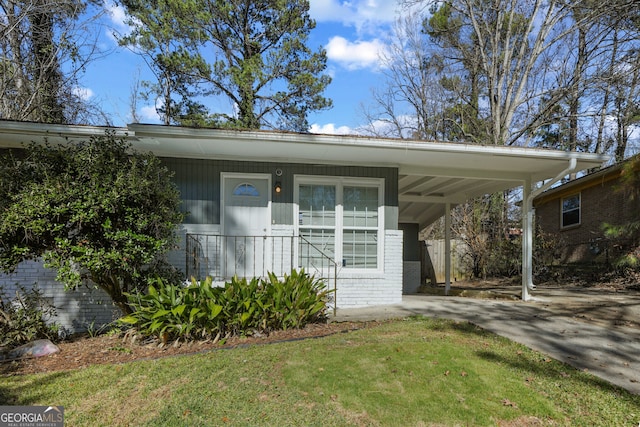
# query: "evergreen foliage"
{"type": "Point", "coordinates": [92, 210]}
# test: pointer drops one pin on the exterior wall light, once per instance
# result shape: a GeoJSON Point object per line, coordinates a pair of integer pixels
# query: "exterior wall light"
{"type": "Point", "coordinates": [278, 187]}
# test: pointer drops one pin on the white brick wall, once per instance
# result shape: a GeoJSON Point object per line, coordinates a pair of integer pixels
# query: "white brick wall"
{"type": "Point", "coordinates": [86, 306]}
{"type": "Point", "coordinates": [77, 310]}
{"type": "Point", "coordinates": [380, 287]}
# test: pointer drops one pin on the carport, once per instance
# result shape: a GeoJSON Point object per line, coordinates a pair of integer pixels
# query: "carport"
{"type": "Point", "coordinates": [433, 177]}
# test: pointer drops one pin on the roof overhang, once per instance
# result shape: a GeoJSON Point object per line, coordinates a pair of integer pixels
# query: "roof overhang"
{"type": "Point", "coordinates": [431, 174]}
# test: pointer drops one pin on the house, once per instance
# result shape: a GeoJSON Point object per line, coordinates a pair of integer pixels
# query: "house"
{"type": "Point", "coordinates": [346, 208]}
{"type": "Point", "coordinates": [575, 212]}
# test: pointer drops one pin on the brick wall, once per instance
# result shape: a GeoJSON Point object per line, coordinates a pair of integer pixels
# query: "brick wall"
{"type": "Point", "coordinates": [88, 307]}
{"type": "Point", "coordinates": [600, 203]}
{"type": "Point", "coordinates": [78, 310]}
{"type": "Point", "coordinates": [379, 287]}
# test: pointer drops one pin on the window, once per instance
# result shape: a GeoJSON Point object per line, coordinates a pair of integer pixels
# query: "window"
{"type": "Point", "coordinates": [570, 211]}
{"type": "Point", "coordinates": [360, 227]}
{"type": "Point", "coordinates": [341, 217]}
{"type": "Point", "coordinates": [317, 216]}
{"type": "Point", "coordinates": [247, 190]}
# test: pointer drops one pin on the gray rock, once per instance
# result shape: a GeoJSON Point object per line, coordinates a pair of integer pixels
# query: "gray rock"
{"type": "Point", "coordinates": [35, 348]}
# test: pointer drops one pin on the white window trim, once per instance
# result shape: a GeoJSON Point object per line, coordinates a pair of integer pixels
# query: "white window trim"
{"type": "Point", "coordinates": [562, 211]}
{"type": "Point", "coordinates": [340, 182]}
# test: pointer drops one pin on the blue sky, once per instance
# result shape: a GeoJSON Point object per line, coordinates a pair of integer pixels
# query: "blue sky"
{"type": "Point", "coordinates": [352, 32]}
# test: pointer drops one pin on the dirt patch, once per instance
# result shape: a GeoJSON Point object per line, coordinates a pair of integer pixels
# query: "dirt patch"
{"type": "Point", "coordinates": [613, 304]}
{"type": "Point", "coordinates": [82, 351]}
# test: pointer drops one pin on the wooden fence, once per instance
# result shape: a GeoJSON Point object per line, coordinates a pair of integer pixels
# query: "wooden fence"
{"type": "Point", "coordinates": [436, 254]}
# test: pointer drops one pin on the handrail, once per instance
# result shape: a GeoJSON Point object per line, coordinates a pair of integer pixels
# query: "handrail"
{"type": "Point", "coordinates": [223, 256]}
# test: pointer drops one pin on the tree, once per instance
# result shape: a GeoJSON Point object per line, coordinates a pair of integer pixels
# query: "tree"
{"type": "Point", "coordinates": [163, 36]}
{"type": "Point", "coordinates": [413, 102]}
{"type": "Point", "coordinates": [43, 49]}
{"type": "Point", "coordinates": [626, 236]}
{"type": "Point", "coordinates": [256, 55]}
{"type": "Point", "coordinates": [92, 210]}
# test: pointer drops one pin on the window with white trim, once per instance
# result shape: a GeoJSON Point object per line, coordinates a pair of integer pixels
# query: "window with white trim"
{"type": "Point", "coordinates": [570, 211]}
{"type": "Point", "coordinates": [342, 217]}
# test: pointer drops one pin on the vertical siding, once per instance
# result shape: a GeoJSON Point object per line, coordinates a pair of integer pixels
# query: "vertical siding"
{"type": "Point", "coordinates": [199, 185]}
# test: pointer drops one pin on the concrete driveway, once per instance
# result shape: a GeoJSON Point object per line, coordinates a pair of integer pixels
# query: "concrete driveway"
{"type": "Point", "coordinates": [590, 330]}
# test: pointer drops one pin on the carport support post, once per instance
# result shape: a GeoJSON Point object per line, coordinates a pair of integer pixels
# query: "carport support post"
{"type": "Point", "coordinates": [527, 224]}
{"type": "Point", "coordinates": [447, 248]}
{"type": "Point", "coordinates": [527, 239]}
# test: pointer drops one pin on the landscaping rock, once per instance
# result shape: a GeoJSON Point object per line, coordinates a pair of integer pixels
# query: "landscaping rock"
{"type": "Point", "coordinates": [35, 348]}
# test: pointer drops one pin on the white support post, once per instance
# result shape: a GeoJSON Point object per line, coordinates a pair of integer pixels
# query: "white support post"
{"type": "Point", "coordinates": [447, 248]}
{"type": "Point", "coordinates": [528, 194]}
{"type": "Point", "coordinates": [527, 250]}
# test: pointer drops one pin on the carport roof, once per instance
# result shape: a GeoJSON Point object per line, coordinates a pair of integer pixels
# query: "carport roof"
{"type": "Point", "coordinates": [431, 174]}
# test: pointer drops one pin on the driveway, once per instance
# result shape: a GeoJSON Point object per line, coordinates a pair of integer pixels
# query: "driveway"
{"type": "Point", "coordinates": [592, 330]}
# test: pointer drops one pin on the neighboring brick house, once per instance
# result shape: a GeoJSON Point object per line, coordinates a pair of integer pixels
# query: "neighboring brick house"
{"type": "Point", "coordinates": [575, 213]}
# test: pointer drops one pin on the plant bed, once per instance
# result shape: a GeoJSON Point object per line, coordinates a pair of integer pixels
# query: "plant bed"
{"type": "Point", "coordinates": [82, 350]}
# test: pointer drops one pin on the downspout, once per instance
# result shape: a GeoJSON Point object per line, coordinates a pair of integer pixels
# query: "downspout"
{"type": "Point", "coordinates": [527, 238]}
{"type": "Point", "coordinates": [447, 248]}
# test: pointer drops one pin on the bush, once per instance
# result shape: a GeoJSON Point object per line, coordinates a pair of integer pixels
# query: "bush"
{"type": "Point", "coordinates": [25, 318]}
{"type": "Point", "coordinates": [241, 307]}
{"type": "Point", "coordinates": [297, 300]}
{"type": "Point", "coordinates": [170, 311]}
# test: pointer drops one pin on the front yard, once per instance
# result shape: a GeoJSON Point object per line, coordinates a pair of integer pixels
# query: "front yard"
{"type": "Point", "coordinates": [406, 372]}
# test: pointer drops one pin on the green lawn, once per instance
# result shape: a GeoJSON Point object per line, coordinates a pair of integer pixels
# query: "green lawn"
{"type": "Point", "coordinates": [415, 372]}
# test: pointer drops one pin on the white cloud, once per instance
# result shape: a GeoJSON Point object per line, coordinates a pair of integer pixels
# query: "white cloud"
{"type": "Point", "coordinates": [83, 93]}
{"type": "Point", "coordinates": [331, 129]}
{"type": "Point", "coordinates": [149, 114]}
{"type": "Point", "coordinates": [117, 17]}
{"type": "Point", "coordinates": [356, 55]}
{"type": "Point", "coordinates": [365, 15]}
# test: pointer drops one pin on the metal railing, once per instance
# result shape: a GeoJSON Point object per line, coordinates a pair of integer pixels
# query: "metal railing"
{"type": "Point", "coordinates": [222, 257]}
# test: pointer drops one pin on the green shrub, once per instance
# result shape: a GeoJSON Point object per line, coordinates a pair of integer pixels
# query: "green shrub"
{"type": "Point", "coordinates": [171, 311]}
{"type": "Point", "coordinates": [296, 300]}
{"type": "Point", "coordinates": [241, 307]}
{"type": "Point", "coordinates": [26, 318]}
{"type": "Point", "coordinates": [244, 306]}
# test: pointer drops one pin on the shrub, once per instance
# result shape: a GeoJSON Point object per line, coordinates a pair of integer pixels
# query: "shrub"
{"type": "Point", "coordinates": [171, 311]}
{"type": "Point", "coordinates": [25, 318]}
{"type": "Point", "coordinates": [241, 307]}
{"type": "Point", "coordinates": [296, 300]}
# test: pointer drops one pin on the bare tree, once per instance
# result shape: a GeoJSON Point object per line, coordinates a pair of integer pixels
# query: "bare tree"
{"type": "Point", "coordinates": [44, 47]}
{"type": "Point", "coordinates": [411, 102]}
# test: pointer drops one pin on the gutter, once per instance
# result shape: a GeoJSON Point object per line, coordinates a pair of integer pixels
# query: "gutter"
{"type": "Point", "coordinates": [527, 244]}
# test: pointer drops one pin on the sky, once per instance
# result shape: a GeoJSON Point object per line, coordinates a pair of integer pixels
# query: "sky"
{"type": "Point", "coordinates": [352, 32]}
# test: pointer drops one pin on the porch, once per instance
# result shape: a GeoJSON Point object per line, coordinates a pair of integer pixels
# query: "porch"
{"type": "Point", "coordinates": [222, 257]}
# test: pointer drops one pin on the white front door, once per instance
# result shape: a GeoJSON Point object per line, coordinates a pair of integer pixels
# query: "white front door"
{"type": "Point", "coordinates": [246, 222]}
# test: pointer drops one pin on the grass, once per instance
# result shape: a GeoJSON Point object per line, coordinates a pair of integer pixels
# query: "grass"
{"type": "Point", "coordinates": [414, 372]}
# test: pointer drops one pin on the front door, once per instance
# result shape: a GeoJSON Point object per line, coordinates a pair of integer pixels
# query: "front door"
{"type": "Point", "coordinates": [246, 224]}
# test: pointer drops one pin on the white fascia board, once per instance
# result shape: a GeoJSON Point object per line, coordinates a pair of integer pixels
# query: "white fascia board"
{"type": "Point", "coordinates": [13, 134]}
{"type": "Point", "coordinates": [410, 156]}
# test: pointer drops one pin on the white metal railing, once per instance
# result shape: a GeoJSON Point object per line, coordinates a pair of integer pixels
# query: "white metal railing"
{"type": "Point", "coordinates": [222, 257]}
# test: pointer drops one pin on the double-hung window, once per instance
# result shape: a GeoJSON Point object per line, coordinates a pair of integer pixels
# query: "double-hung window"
{"type": "Point", "coordinates": [360, 226]}
{"type": "Point", "coordinates": [317, 216]}
{"type": "Point", "coordinates": [342, 218]}
{"type": "Point", "coordinates": [570, 211]}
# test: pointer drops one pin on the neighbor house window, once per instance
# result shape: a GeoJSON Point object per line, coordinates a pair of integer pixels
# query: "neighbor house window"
{"type": "Point", "coordinates": [571, 211]}
{"type": "Point", "coordinates": [341, 216]}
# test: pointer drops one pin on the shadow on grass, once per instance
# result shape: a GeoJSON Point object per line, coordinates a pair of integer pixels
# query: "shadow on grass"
{"type": "Point", "coordinates": [532, 361]}
{"type": "Point", "coordinates": [28, 393]}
